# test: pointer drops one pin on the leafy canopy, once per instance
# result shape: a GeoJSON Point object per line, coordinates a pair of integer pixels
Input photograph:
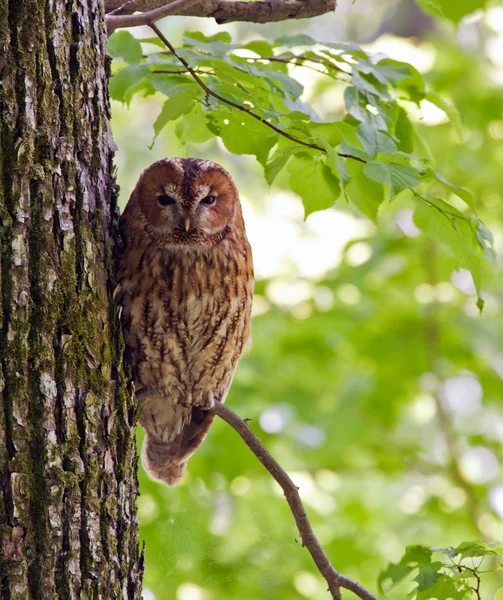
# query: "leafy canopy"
{"type": "Point", "coordinates": [248, 97]}
{"type": "Point", "coordinates": [456, 576]}
{"type": "Point", "coordinates": [359, 372]}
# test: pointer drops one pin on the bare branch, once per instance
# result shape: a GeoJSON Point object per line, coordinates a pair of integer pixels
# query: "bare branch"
{"type": "Point", "coordinates": [240, 107]}
{"type": "Point", "coordinates": [223, 11]}
{"type": "Point", "coordinates": [114, 22]}
{"type": "Point", "coordinates": [333, 578]}
{"type": "Point", "coordinates": [121, 7]}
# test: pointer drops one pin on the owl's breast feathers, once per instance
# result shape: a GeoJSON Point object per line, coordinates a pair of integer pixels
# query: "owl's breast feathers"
{"type": "Point", "coordinates": [187, 319]}
{"type": "Point", "coordinates": [187, 314]}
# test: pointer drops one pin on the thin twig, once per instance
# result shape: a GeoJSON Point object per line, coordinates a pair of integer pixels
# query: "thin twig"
{"type": "Point", "coordinates": [440, 210]}
{"type": "Point", "coordinates": [333, 578]}
{"type": "Point", "coordinates": [210, 92]}
{"type": "Point", "coordinates": [302, 59]}
{"type": "Point", "coordinates": [119, 8]}
{"type": "Point", "coordinates": [475, 573]}
{"type": "Point", "coordinates": [164, 72]}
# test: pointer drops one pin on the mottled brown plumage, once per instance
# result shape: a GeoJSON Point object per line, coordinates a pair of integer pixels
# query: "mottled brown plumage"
{"type": "Point", "coordinates": [186, 286]}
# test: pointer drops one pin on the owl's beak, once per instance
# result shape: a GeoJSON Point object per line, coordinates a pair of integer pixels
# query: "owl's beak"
{"type": "Point", "coordinates": [187, 223]}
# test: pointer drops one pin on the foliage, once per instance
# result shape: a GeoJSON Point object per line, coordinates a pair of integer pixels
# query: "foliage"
{"type": "Point", "coordinates": [372, 380]}
{"type": "Point", "coordinates": [245, 95]}
{"type": "Point", "coordinates": [453, 10]}
{"type": "Point", "coordinates": [458, 576]}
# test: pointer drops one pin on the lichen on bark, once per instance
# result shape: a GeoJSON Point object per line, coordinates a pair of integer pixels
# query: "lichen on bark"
{"type": "Point", "coordinates": [68, 525]}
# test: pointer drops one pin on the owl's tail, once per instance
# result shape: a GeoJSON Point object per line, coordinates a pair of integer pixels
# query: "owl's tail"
{"type": "Point", "coordinates": [166, 461]}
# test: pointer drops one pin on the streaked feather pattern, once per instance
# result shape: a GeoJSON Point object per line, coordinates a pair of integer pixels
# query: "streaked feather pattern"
{"type": "Point", "coordinates": [186, 297]}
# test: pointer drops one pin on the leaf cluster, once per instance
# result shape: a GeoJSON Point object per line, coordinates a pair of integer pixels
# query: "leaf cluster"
{"type": "Point", "coordinates": [247, 95]}
{"type": "Point", "coordinates": [456, 575]}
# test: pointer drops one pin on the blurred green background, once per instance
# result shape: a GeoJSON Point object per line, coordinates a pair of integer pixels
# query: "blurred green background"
{"type": "Point", "coordinates": [372, 378]}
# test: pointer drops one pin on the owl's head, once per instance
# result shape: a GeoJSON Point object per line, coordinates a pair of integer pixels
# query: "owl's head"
{"type": "Point", "coordinates": [187, 202]}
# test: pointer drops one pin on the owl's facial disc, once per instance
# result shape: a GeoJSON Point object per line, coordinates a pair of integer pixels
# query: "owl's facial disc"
{"type": "Point", "coordinates": [188, 202]}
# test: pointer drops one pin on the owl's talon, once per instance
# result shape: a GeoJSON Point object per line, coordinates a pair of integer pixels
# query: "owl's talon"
{"type": "Point", "coordinates": [205, 402]}
{"type": "Point", "coordinates": [186, 404]}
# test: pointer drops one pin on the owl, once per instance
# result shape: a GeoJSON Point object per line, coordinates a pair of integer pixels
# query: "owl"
{"type": "Point", "coordinates": [186, 287]}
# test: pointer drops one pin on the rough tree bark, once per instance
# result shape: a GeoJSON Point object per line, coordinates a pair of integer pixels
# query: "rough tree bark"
{"type": "Point", "coordinates": [68, 526]}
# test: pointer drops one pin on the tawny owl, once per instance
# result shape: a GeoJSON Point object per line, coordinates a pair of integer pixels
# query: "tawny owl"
{"type": "Point", "coordinates": [186, 287]}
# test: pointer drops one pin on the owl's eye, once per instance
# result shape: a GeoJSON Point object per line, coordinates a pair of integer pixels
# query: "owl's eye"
{"type": "Point", "coordinates": [165, 200]}
{"type": "Point", "coordinates": [208, 200]}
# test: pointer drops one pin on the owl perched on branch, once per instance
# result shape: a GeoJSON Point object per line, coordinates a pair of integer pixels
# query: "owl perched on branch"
{"type": "Point", "coordinates": [186, 287]}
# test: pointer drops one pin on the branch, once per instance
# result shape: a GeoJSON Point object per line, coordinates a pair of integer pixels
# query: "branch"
{"type": "Point", "coordinates": [121, 7]}
{"type": "Point", "coordinates": [223, 11]}
{"type": "Point", "coordinates": [210, 92]}
{"type": "Point", "coordinates": [333, 578]}
{"type": "Point", "coordinates": [114, 21]}
{"type": "Point", "coordinates": [302, 59]}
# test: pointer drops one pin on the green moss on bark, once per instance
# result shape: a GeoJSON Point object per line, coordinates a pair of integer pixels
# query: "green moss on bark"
{"type": "Point", "coordinates": [66, 412]}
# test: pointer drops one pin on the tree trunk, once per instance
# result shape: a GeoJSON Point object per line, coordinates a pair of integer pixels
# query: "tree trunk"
{"type": "Point", "coordinates": [68, 525]}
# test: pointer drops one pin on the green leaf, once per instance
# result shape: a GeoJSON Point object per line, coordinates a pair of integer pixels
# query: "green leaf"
{"type": "Point", "coordinates": [362, 192]}
{"type": "Point", "coordinates": [476, 549]}
{"type": "Point", "coordinates": [171, 84]}
{"type": "Point", "coordinates": [179, 104]}
{"type": "Point", "coordinates": [338, 167]}
{"type": "Point", "coordinates": [463, 193]}
{"type": "Point", "coordinates": [374, 141]}
{"type": "Point", "coordinates": [155, 41]}
{"type": "Point", "coordinates": [398, 177]}
{"type": "Point", "coordinates": [260, 47]}
{"type": "Point", "coordinates": [455, 10]}
{"type": "Point", "coordinates": [440, 227]}
{"type": "Point", "coordinates": [417, 554]}
{"type": "Point", "coordinates": [451, 9]}
{"type": "Point", "coordinates": [313, 181]}
{"type": "Point", "coordinates": [355, 104]}
{"type": "Point", "coordinates": [404, 132]}
{"type": "Point", "coordinates": [193, 127]}
{"type": "Point", "coordinates": [405, 77]}
{"type": "Point", "coordinates": [335, 163]}
{"type": "Point", "coordinates": [442, 589]}
{"type": "Point", "coordinates": [393, 574]}
{"type": "Point", "coordinates": [458, 236]}
{"type": "Point", "coordinates": [123, 83]}
{"type": "Point", "coordinates": [433, 7]}
{"type": "Point", "coordinates": [450, 110]}
{"type": "Point", "coordinates": [296, 40]}
{"type": "Point", "coordinates": [272, 168]}
{"type": "Point", "coordinates": [216, 45]}
{"type": "Point", "coordinates": [499, 594]}
{"type": "Point", "coordinates": [123, 45]}
{"type": "Point", "coordinates": [485, 238]}
{"type": "Point", "coordinates": [447, 208]}
{"type": "Point", "coordinates": [242, 134]}
{"type": "Point", "coordinates": [428, 575]}
{"type": "Point", "coordinates": [447, 551]}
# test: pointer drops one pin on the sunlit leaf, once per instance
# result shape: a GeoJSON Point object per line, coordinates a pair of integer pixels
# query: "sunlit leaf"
{"type": "Point", "coordinates": [313, 181]}
{"type": "Point", "coordinates": [123, 84]}
{"type": "Point", "coordinates": [428, 575]}
{"type": "Point", "coordinates": [243, 134]}
{"type": "Point", "coordinates": [123, 45]}
{"type": "Point", "coordinates": [365, 194]}
{"type": "Point", "coordinates": [175, 106]}
{"type": "Point", "coordinates": [398, 177]}
{"type": "Point", "coordinates": [374, 141]}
